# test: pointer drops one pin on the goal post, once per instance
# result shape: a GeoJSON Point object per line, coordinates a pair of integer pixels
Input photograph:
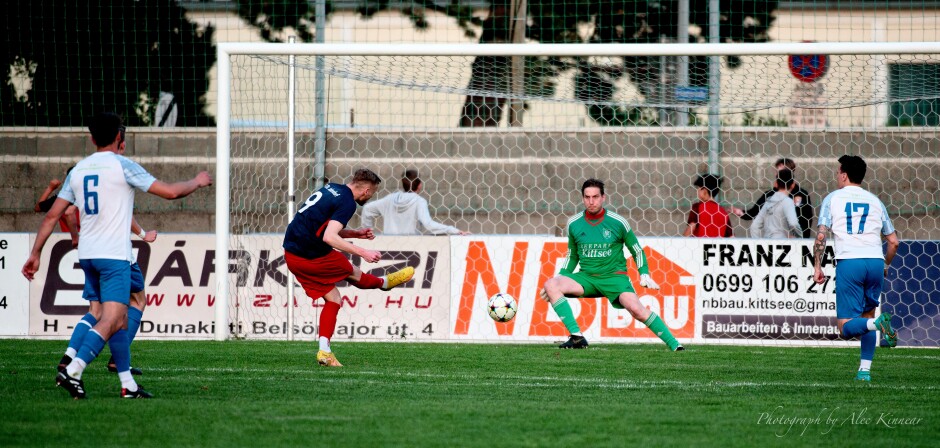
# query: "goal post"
{"type": "Point", "coordinates": [591, 110]}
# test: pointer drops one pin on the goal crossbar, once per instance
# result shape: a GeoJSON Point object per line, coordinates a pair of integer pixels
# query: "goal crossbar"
{"type": "Point", "coordinates": [751, 49]}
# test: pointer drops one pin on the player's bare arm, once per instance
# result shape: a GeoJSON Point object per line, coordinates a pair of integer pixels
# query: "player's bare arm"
{"type": "Point", "coordinates": [45, 229]}
{"type": "Point", "coordinates": [146, 235]}
{"type": "Point", "coordinates": [332, 237]}
{"type": "Point", "coordinates": [819, 248]}
{"type": "Point", "coordinates": [364, 233]}
{"type": "Point", "coordinates": [892, 249]}
{"type": "Point", "coordinates": [182, 189]}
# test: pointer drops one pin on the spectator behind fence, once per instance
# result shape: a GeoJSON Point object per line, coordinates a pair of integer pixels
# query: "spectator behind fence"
{"type": "Point", "coordinates": [402, 211]}
{"type": "Point", "coordinates": [804, 207]}
{"type": "Point", "coordinates": [777, 218]}
{"type": "Point", "coordinates": [707, 218]}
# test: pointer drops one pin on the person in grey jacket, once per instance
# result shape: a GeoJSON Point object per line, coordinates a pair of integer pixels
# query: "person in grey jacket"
{"type": "Point", "coordinates": [402, 211]}
{"type": "Point", "coordinates": [777, 218]}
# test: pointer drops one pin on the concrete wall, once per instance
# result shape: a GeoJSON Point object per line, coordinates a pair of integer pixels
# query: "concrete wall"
{"type": "Point", "coordinates": [496, 182]}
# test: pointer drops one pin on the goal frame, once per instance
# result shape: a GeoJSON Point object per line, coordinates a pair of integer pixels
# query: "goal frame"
{"type": "Point", "coordinates": [223, 117]}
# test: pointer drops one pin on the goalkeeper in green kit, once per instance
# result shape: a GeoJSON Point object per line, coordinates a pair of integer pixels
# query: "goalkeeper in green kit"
{"type": "Point", "coordinates": [596, 238]}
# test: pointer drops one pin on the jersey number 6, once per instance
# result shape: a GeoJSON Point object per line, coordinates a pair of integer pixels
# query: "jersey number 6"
{"type": "Point", "coordinates": [91, 197]}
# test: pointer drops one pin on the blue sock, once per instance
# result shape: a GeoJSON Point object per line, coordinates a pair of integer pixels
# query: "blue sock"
{"type": "Point", "coordinates": [868, 345]}
{"type": "Point", "coordinates": [91, 347]}
{"type": "Point", "coordinates": [133, 323]}
{"type": "Point", "coordinates": [855, 327]}
{"type": "Point", "coordinates": [121, 350]}
{"type": "Point", "coordinates": [81, 329]}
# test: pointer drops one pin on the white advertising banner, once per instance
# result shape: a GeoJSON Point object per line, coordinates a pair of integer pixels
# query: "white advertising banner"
{"type": "Point", "coordinates": [180, 289]}
{"type": "Point", "coordinates": [14, 288]}
{"type": "Point", "coordinates": [764, 290]}
{"type": "Point", "coordinates": [417, 310]}
{"type": "Point", "coordinates": [520, 266]}
{"type": "Point", "coordinates": [710, 290]}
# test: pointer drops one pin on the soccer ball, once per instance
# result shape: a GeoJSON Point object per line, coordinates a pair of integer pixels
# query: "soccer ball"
{"type": "Point", "coordinates": [502, 307]}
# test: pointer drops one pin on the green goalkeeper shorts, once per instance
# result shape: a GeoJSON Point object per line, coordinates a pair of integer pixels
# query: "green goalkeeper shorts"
{"type": "Point", "coordinates": [610, 285]}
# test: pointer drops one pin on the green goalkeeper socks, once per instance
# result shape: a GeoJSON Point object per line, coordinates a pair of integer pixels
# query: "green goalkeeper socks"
{"type": "Point", "coordinates": [658, 327]}
{"type": "Point", "coordinates": [563, 309]}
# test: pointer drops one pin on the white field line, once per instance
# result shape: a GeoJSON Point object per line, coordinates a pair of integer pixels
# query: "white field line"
{"type": "Point", "coordinates": [351, 376]}
{"type": "Point", "coordinates": [462, 160]}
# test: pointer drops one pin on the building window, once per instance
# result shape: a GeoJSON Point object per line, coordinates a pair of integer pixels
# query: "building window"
{"type": "Point", "coordinates": [915, 95]}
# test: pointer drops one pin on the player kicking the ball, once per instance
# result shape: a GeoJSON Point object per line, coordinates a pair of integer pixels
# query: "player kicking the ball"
{"type": "Point", "coordinates": [312, 248]}
{"type": "Point", "coordinates": [595, 242]}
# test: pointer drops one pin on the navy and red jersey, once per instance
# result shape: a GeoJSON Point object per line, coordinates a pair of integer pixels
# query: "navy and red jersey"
{"type": "Point", "coordinates": [712, 220]}
{"type": "Point", "coordinates": [304, 236]}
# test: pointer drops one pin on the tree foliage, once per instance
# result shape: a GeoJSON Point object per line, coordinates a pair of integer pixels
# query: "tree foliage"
{"type": "Point", "coordinates": [70, 60]}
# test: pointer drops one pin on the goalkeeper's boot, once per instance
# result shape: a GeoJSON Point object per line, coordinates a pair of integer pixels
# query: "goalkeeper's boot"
{"type": "Point", "coordinates": [112, 367]}
{"type": "Point", "coordinates": [75, 386]}
{"type": "Point", "coordinates": [399, 277]}
{"type": "Point", "coordinates": [863, 375]}
{"type": "Point", "coordinates": [679, 348]}
{"type": "Point", "coordinates": [139, 393]}
{"type": "Point", "coordinates": [575, 342]}
{"type": "Point", "coordinates": [327, 359]}
{"type": "Point", "coordinates": [883, 324]}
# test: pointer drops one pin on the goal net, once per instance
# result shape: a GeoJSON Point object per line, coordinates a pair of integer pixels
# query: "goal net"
{"type": "Point", "coordinates": [503, 136]}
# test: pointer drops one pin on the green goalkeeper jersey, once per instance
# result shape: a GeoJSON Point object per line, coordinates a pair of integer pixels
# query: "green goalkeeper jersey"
{"type": "Point", "coordinates": [597, 245]}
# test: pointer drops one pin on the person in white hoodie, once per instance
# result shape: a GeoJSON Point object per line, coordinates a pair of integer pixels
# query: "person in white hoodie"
{"type": "Point", "coordinates": [777, 218]}
{"type": "Point", "coordinates": [402, 211]}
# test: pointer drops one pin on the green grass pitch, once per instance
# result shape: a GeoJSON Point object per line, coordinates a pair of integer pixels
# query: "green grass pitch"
{"type": "Point", "coordinates": [248, 393]}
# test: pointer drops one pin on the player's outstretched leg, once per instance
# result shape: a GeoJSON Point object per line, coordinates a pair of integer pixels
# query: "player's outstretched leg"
{"type": "Point", "coordinates": [659, 328]}
{"type": "Point", "coordinates": [631, 303]}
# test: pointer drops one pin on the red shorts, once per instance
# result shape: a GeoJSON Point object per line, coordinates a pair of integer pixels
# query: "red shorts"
{"type": "Point", "coordinates": [319, 275]}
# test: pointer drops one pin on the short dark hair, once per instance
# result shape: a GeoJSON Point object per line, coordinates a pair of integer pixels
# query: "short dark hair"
{"type": "Point", "coordinates": [104, 128]}
{"type": "Point", "coordinates": [854, 167]}
{"type": "Point", "coordinates": [592, 182]}
{"type": "Point", "coordinates": [784, 179]}
{"type": "Point", "coordinates": [710, 182]}
{"type": "Point", "coordinates": [789, 163]}
{"type": "Point", "coordinates": [410, 180]}
{"type": "Point", "coordinates": [367, 176]}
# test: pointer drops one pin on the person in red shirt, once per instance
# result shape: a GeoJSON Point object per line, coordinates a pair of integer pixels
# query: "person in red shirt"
{"type": "Point", "coordinates": [707, 218]}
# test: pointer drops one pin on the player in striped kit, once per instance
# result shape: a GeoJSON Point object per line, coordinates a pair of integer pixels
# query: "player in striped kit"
{"type": "Point", "coordinates": [596, 238]}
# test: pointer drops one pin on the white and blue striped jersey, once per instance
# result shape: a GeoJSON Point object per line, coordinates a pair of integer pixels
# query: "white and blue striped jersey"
{"type": "Point", "coordinates": [857, 219]}
{"type": "Point", "coordinates": [102, 187]}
